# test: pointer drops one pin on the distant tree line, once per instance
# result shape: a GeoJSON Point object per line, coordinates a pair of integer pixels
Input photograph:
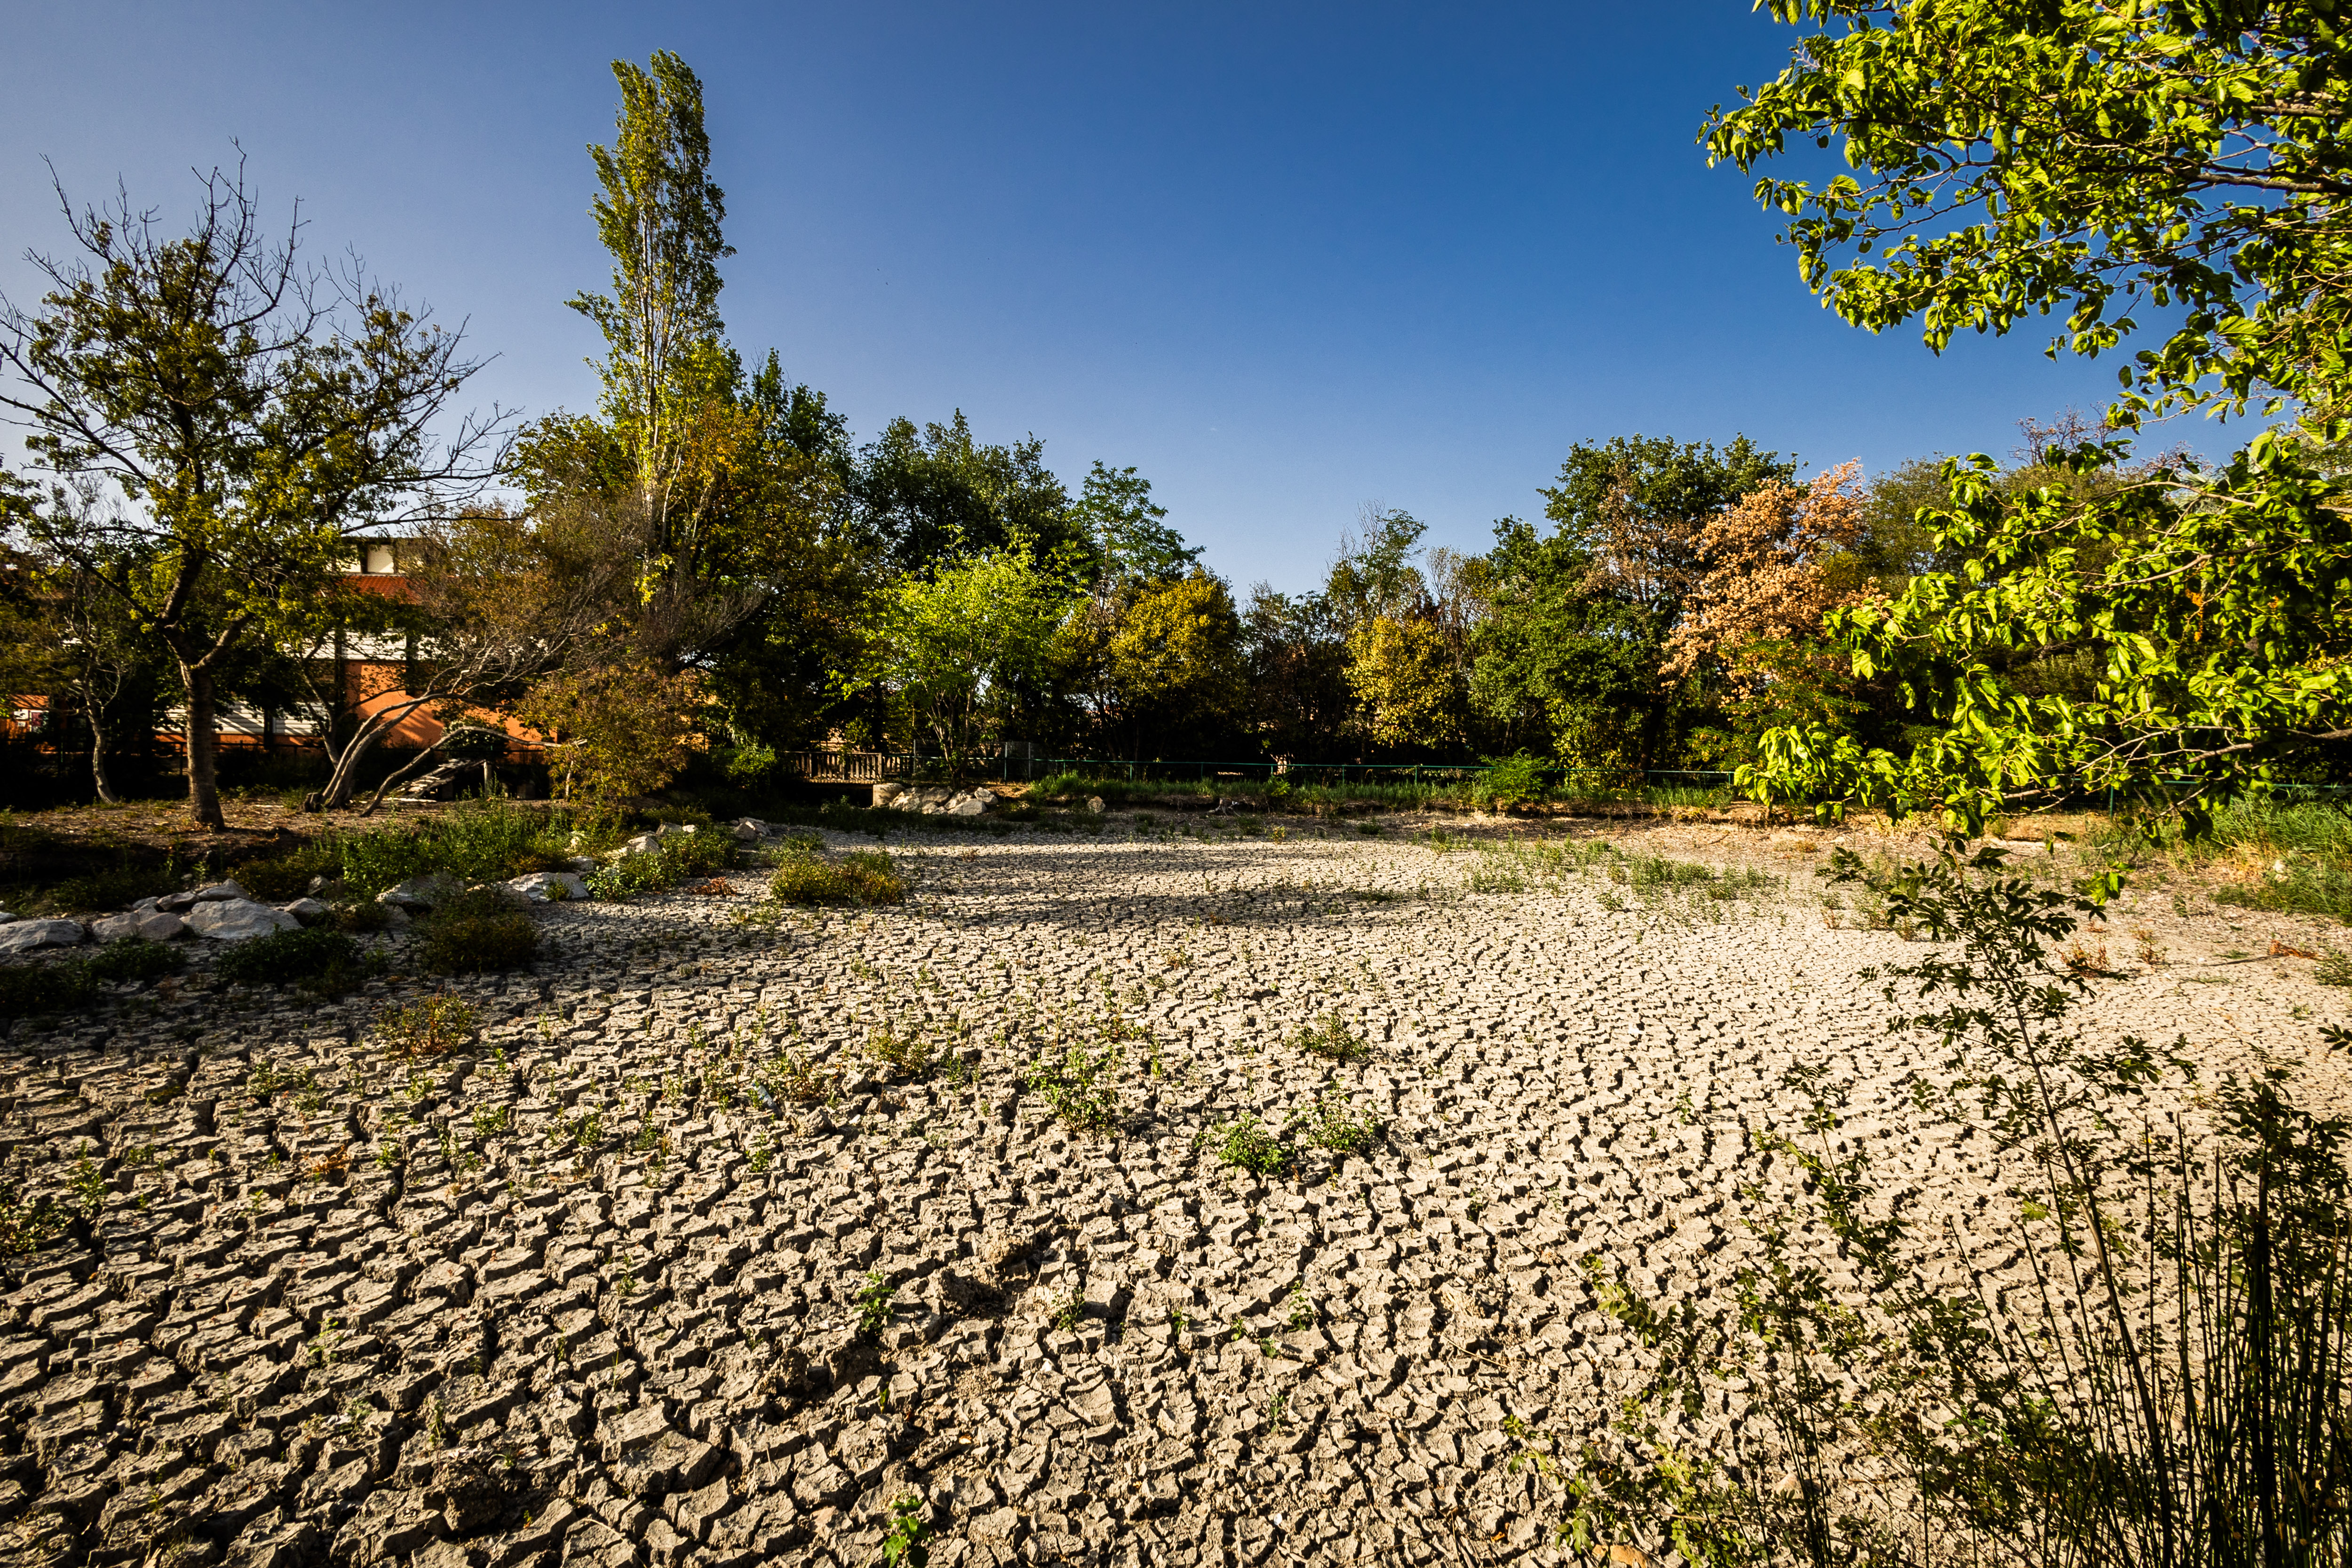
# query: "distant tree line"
{"type": "Point", "coordinates": [708, 571]}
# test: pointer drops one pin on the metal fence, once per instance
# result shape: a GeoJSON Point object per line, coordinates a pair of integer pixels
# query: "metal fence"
{"type": "Point", "coordinates": [873, 767]}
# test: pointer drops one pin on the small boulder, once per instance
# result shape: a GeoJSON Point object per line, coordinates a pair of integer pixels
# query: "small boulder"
{"type": "Point", "coordinates": [749, 829]}
{"type": "Point", "coordinates": [146, 925]}
{"type": "Point", "coordinates": [669, 829]}
{"type": "Point", "coordinates": [1095, 804]}
{"type": "Point", "coordinates": [642, 844]}
{"type": "Point", "coordinates": [884, 794]}
{"type": "Point", "coordinates": [239, 919]}
{"type": "Point", "coordinates": [219, 892]}
{"type": "Point", "coordinates": [418, 895]}
{"type": "Point", "coordinates": [975, 803]}
{"type": "Point", "coordinates": [24, 936]}
{"type": "Point", "coordinates": [176, 903]}
{"type": "Point", "coordinates": [309, 911]}
{"type": "Point", "coordinates": [543, 887]}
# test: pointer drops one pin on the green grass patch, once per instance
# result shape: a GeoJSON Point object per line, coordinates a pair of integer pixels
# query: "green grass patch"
{"type": "Point", "coordinates": [432, 1028]}
{"type": "Point", "coordinates": [479, 841]}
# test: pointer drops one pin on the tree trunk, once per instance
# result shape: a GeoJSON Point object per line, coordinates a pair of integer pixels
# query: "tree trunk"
{"type": "Point", "coordinates": [204, 749]}
{"type": "Point", "coordinates": [104, 785]}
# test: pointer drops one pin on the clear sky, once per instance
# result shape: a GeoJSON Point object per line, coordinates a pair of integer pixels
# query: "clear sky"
{"type": "Point", "coordinates": [1284, 259]}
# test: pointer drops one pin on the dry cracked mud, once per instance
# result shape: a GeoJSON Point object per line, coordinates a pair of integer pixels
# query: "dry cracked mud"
{"type": "Point", "coordinates": [715, 1241]}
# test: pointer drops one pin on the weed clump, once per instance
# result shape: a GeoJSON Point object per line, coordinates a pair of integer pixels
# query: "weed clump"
{"type": "Point", "coordinates": [1330, 1038]}
{"type": "Point", "coordinates": [787, 1078]}
{"type": "Point", "coordinates": [1249, 1145]}
{"type": "Point", "coordinates": [432, 1028]}
{"type": "Point", "coordinates": [674, 857]}
{"type": "Point", "coordinates": [477, 932]}
{"type": "Point", "coordinates": [911, 1056]}
{"type": "Point", "coordinates": [327, 960]}
{"type": "Point", "coordinates": [861, 878]}
{"type": "Point", "coordinates": [874, 1304]}
{"type": "Point", "coordinates": [1333, 1124]}
{"type": "Point", "coordinates": [1080, 1086]}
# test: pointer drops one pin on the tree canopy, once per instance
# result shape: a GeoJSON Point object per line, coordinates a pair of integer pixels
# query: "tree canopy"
{"type": "Point", "coordinates": [2096, 160]}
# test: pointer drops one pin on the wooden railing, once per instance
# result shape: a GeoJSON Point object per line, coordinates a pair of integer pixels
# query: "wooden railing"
{"type": "Point", "coordinates": [847, 767]}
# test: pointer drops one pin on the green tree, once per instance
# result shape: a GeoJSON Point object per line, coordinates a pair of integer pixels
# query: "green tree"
{"type": "Point", "coordinates": [2210, 626]}
{"type": "Point", "coordinates": [255, 416]}
{"type": "Point", "coordinates": [1560, 664]}
{"type": "Point", "coordinates": [928, 494]}
{"type": "Point", "coordinates": [2175, 636]}
{"type": "Point", "coordinates": [1297, 660]}
{"type": "Point", "coordinates": [2087, 158]}
{"type": "Point", "coordinates": [661, 218]}
{"type": "Point", "coordinates": [951, 648]}
{"type": "Point", "coordinates": [1175, 661]}
{"type": "Point", "coordinates": [1634, 508]}
{"type": "Point", "coordinates": [1131, 538]}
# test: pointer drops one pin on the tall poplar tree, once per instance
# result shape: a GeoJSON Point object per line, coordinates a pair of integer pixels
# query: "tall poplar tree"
{"type": "Point", "coordinates": [661, 217]}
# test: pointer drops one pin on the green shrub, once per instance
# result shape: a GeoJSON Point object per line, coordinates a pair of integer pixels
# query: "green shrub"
{"type": "Point", "coordinates": [318, 957]}
{"type": "Point", "coordinates": [483, 841]}
{"type": "Point", "coordinates": [477, 932]}
{"type": "Point", "coordinates": [120, 888]}
{"type": "Point", "coordinates": [674, 858]}
{"type": "Point", "coordinates": [276, 881]}
{"type": "Point", "coordinates": [861, 878]}
{"type": "Point", "coordinates": [60, 985]}
{"type": "Point", "coordinates": [1247, 1146]}
{"type": "Point", "coordinates": [137, 959]}
{"type": "Point", "coordinates": [1514, 780]}
{"type": "Point", "coordinates": [30, 990]}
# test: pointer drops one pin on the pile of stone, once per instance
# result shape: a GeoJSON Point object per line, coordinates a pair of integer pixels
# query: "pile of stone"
{"type": "Point", "coordinates": [223, 912]}
{"type": "Point", "coordinates": [935, 800]}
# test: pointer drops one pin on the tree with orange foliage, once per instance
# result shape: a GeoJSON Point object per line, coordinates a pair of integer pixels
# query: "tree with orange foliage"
{"type": "Point", "coordinates": [1776, 562]}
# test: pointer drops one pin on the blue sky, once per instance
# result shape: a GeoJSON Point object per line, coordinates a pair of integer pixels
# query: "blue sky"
{"type": "Point", "coordinates": [1284, 260]}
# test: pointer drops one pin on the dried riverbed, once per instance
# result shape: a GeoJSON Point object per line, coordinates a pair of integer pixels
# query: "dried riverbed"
{"type": "Point", "coordinates": [668, 1265]}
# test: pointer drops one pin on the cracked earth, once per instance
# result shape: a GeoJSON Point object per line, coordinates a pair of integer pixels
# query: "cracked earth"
{"type": "Point", "coordinates": [715, 1241]}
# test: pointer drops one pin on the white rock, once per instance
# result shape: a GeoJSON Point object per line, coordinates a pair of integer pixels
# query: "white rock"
{"type": "Point", "coordinates": [236, 920]}
{"type": "Point", "coordinates": [750, 829]}
{"type": "Point", "coordinates": [309, 911]}
{"type": "Point", "coordinates": [884, 793]}
{"type": "Point", "coordinates": [976, 803]}
{"type": "Point", "coordinates": [642, 844]}
{"type": "Point", "coordinates": [422, 893]}
{"type": "Point", "coordinates": [148, 925]}
{"type": "Point", "coordinates": [24, 936]}
{"type": "Point", "coordinates": [219, 891]}
{"type": "Point", "coordinates": [1095, 803]}
{"type": "Point", "coordinates": [542, 887]}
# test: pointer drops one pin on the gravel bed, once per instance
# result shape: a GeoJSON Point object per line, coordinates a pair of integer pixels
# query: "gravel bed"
{"type": "Point", "coordinates": [670, 1264]}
